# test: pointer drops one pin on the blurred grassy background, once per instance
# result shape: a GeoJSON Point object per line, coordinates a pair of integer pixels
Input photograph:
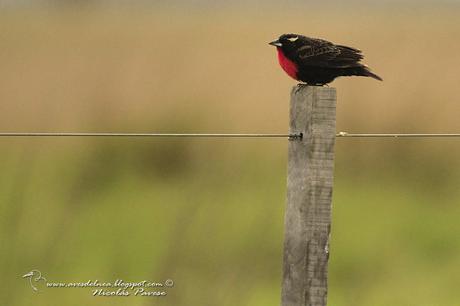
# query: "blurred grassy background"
{"type": "Point", "coordinates": [209, 213]}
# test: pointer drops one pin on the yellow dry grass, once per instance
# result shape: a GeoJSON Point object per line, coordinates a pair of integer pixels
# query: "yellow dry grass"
{"type": "Point", "coordinates": [98, 70]}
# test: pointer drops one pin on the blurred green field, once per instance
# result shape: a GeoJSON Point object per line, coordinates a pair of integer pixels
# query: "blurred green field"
{"type": "Point", "coordinates": [209, 213]}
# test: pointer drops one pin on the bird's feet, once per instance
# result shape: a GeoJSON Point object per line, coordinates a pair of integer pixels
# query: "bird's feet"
{"type": "Point", "coordinates": [299, 86]}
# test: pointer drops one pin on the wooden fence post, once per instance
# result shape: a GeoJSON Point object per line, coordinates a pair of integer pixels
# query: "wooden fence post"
{"type": "Point", "coordinates": [309, 195]}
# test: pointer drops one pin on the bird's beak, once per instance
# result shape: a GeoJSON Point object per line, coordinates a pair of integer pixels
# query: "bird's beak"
{"type": "Point", "coordinates": [276, 43]}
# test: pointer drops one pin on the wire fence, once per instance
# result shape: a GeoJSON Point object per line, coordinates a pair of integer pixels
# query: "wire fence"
{"type": "Point", "coordinates": [110, 134]}
{"type": "Point", "coordinates": [399, 135]}
{"type": "Point", "coordinates": [225, 135]}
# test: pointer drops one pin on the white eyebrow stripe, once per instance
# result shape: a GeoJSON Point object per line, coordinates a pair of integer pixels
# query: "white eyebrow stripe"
{"type": "Point", "coordinates": [293, 39]}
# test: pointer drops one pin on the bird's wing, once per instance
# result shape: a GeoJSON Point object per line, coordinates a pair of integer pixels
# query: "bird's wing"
{"type": "Point", "coordinates": [321, 53]}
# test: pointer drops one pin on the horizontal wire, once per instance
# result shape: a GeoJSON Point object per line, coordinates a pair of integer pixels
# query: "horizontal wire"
{"type": "Point", "coordinates": [399, 135]}
{"type": "Point", "coordinates": [224, 135]}
{"type": "Point", "coordinates": [205, 135]}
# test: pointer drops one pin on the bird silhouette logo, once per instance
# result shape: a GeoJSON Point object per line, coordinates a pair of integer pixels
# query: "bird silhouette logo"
{"type": "Point", "coordinates": [34, 277]}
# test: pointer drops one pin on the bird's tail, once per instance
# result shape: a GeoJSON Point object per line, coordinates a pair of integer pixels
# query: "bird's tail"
{"type": "Point", "coordinates": [360, 70]}
{"type": "Point", "coordinates": [365, 71]}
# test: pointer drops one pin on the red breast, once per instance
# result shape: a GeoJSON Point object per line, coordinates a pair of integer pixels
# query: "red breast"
{"type": "Point", "coordinates": [289, 66]}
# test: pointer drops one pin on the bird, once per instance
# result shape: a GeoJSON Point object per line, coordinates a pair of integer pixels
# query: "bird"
{"type": "Point", "coordinates": [318, 62]}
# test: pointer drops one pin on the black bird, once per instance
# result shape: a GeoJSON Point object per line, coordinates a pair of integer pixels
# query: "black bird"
{"type": "Point", "coordinates": [317, 61]}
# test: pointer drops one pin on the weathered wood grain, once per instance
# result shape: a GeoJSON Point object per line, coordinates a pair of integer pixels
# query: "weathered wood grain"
{"type": "Point", "coordinates": [309, 196]}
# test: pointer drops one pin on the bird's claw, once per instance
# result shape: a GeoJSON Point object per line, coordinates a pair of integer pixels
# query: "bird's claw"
{"type": "Point", "coordinates": [300, 86]}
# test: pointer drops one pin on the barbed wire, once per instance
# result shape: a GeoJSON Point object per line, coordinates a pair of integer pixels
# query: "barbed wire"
{"type": "Point", "coordinates": [224, 135]}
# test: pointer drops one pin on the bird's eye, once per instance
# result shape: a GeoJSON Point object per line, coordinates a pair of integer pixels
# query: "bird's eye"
{"type": "Point", "coordinates": [293, 39]}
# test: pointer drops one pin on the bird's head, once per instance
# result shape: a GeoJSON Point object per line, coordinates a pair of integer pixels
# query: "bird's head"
{"type": "Point", "coordinates": [287, 42]}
